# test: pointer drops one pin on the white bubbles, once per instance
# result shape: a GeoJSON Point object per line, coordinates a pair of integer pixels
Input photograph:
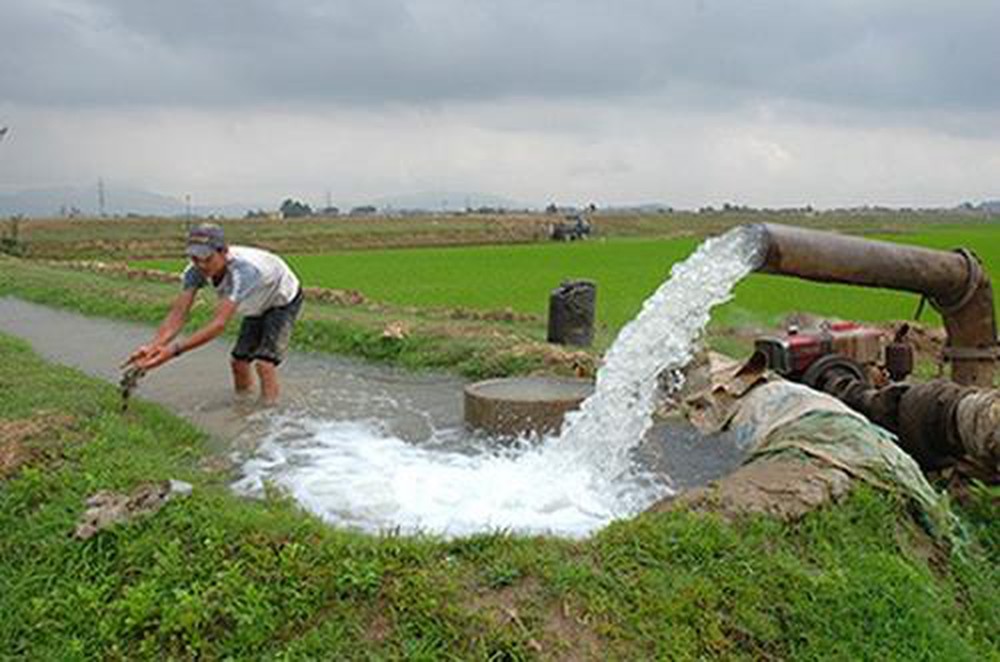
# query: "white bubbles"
{"type": "Point", "coordinates": [354, 473]}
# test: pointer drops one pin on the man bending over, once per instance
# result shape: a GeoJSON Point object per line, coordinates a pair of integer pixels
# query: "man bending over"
{"type": "Point", "coordinates": [248, 281]}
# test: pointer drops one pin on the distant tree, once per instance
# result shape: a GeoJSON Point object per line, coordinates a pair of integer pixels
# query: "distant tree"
{"type": "Point", "coordinates": [294, 209]}
{"type": "Point", "coordinates": [363, 210]}
{"type": "Point", "coordinates": [11, 244]}
{"type": "Point", "coordinates": [552, 208]}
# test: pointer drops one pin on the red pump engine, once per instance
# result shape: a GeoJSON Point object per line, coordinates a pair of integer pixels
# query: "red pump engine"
{"type": "Point", "coordinates": [802, 355]}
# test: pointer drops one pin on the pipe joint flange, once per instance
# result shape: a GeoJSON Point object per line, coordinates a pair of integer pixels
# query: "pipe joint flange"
{"type": "Point", "coordinates": [972, 282]}
{"type": "Point", "coordinates": [971, 353]}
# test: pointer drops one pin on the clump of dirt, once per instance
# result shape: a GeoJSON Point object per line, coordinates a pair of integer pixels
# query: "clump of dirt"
{"type": "Point", "coordinates": [118, 269]}
{"type": "Point", "coordinates": [501, 607]}
{"type": "Point", "coordinates": [338, 297]}
{"type": "Point", "coordinates": [41, 423]}
{"type": "Point", "coordinates": [563, 634]}
{"type": "Point", "coordinates": [578, 363]}
{"type": "Point", "coordinates": [105, 508]}
{"type": "Point", "coordinates": [782, 488]}
{"type": "Point", "coordinates": [380, 626]}
{"type": "Point", "coordinates": [504, 315]}
{"type": "Point", "coordinates": [13, 456]}
{"type": "Point", "coordinates": [569, 637]}
{"type": "Point", "coordinates": [17, 436]}
{"type": "Point", "coordinates": [216, 464]}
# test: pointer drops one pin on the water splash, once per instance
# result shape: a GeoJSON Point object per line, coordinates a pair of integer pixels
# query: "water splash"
{"type": "Point", "coordinates": [659, 341]}
{"type": "Point", "coordinates": [355, 473]}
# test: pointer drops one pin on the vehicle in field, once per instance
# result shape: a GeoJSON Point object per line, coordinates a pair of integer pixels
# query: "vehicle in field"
{"type": "Point", "coordinates": [575, 226]}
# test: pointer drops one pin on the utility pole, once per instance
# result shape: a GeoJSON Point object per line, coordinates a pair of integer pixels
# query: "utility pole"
{"type": "Point", "coordinates": [100, 197]}
{"type": "Point", "coordinates": [187, 211]}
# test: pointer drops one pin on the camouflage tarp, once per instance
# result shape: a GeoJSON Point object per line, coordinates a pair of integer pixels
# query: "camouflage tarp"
{"type": "Point", "coordinates": [777, 420]}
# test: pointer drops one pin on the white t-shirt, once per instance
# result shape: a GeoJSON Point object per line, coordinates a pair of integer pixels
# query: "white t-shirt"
{"type": "Point", "coordinates": [255, 279]}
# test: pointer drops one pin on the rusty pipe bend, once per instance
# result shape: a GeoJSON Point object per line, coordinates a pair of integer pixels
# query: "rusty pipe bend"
{"type": "Point", "coordinates": [972, 282]}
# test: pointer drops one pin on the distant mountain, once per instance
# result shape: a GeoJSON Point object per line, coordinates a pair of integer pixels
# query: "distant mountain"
{"type": "Point", "coordinates": [58, 201]}
{"type": "Point", "coordinates": [446, 201]}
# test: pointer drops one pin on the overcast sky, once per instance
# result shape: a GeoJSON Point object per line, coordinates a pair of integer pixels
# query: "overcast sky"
{"type": "Point", "coordinates": [687, 102]}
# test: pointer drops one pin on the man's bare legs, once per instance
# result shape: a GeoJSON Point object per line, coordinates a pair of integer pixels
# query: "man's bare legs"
{"type": "Point", "coordinates": [268, 374]}
{"type": "Point", "coordinates": [242, 378]}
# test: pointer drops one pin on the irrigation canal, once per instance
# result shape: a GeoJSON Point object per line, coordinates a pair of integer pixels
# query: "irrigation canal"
{"type": "Point", "coordinates": [361, 444]}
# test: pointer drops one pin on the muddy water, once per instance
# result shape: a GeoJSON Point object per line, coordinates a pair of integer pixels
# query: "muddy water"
{"type": "Point", "coordinates": [367, 446]}
{"type": "Point", "coordinates": [198, 387]}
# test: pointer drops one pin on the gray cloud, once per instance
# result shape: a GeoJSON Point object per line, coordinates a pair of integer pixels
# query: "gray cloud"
{"type": "Point", "coordinates": [891, 54]}
{"type": "Point", "coordinates": [688, 102]}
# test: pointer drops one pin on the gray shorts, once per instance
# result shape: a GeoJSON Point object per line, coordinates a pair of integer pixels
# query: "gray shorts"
{"type": "Point", "coordinates": [265, 337]}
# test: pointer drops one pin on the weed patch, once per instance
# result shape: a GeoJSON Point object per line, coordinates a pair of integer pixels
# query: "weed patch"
{"type": "Point", "coordinates": [213, 576]}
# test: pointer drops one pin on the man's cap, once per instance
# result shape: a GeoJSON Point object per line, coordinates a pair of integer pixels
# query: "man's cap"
{"type": "Point", "coordinates": [205, 239]}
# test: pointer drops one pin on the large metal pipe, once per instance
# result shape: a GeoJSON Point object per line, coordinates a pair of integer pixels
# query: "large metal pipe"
{"type": "Point", "coordinates": [953, 282]}
{"type": "Point", "coordinates": [936, 422]}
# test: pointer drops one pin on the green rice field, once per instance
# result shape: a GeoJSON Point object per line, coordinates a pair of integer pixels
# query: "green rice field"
{"type": "Point", "coordinates": [626, 272]}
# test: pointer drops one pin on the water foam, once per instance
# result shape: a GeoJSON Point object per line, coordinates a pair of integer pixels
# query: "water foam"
{"type": "Point", "coordinates": [659, 341]}
{"type": "Point", "coordinates": [354, 473]}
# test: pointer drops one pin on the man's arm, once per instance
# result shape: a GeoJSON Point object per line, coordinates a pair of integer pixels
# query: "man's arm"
{"type": "Point", "coordinates": [176, 318]}
{"type": "Point", "coordinates": [163, 353]}
{"type": "Point", "coordinates": [223, 312]}
{"type": "Point", "coordinates": [169, 328]}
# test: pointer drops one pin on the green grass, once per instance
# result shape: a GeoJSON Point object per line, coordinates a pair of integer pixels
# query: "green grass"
{"type": "Point", "coordinates": [496, 277]}
{"type": "Point", "coordinates": [626, 271]}
{"type": "Point", "coordinates": [417, 286]}
{"type": "Point", "coordinates": [215, 577]}
{"type": "Point", "coordinates": [476, 349]}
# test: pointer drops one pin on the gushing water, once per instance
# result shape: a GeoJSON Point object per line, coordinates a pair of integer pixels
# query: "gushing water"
{"type": "Point", "coordinates": [357, 474]}
{"type": "Point", "coordinates": [659, 341]}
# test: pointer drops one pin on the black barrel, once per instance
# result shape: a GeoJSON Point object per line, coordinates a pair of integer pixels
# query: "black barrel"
{"type": "Point", "coordinates": [571, 313]}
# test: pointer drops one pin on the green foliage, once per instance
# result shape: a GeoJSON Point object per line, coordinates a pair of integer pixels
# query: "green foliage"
{"type": "Point", "coordinates": [497, 277]}
{"type": "Point", "coordinates": [327, 328]}
{"type": "Point", "coordinates": [626, 271]}
{"type": "Point", "coordinates": [213, 576]}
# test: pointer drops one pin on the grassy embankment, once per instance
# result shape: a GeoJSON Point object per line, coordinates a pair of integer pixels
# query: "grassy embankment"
{"type": "Point", "coordinates": [450, 339]}
{"type": "Point", "coordinates": [212, 576]}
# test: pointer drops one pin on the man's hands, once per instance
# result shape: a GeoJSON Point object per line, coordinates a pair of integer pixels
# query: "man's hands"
{"type": "Point", "coordinates": [151, 356]}
{"type": "Point", "coordinates": [160, 350]}
{"type": "Point", "coordinates": [138, 355]}
{"type": "Point", "coordinates": [160, 355]}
